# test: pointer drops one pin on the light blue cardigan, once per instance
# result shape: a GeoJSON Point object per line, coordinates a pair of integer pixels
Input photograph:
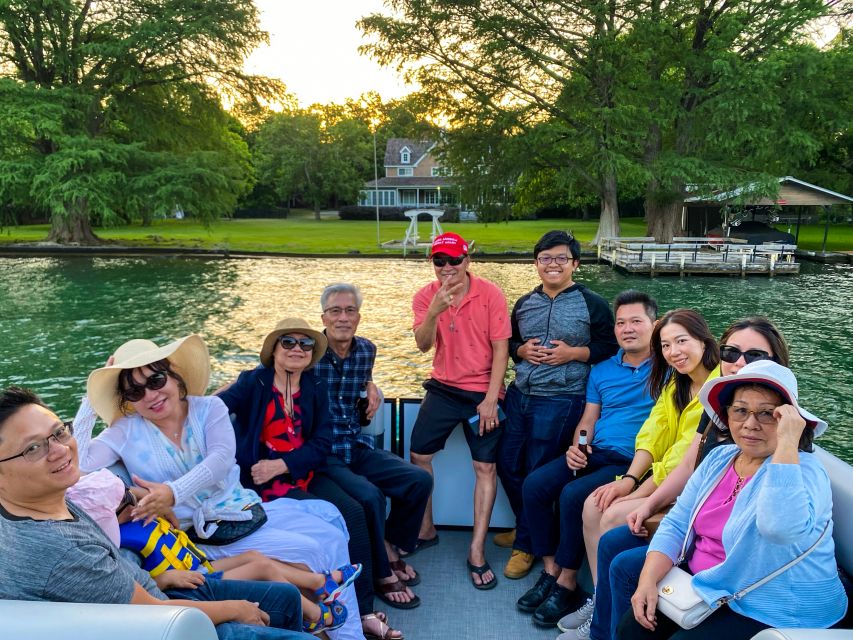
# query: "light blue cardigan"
{"type": "Point", "coordinates": [778, 515]}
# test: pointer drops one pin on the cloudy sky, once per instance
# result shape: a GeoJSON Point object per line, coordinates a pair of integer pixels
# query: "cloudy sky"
{"type": "Point", "coordinates": [314, 50]}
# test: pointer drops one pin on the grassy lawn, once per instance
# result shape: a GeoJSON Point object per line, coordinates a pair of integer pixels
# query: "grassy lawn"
{"type": "Point", "coordinates": [302, 234]}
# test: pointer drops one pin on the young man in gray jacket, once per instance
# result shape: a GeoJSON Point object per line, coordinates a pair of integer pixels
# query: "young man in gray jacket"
{"type": "Point", "coordinates": [559, 330]}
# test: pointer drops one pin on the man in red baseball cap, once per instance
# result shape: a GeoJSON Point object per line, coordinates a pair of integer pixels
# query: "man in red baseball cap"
{"type": "Point", "coordinates": [465, 318]}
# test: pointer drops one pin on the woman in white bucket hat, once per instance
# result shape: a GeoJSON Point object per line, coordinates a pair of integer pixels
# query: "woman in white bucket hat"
{"type": "Point", "coordinates": [180, 445]}
{"type": "Point", "coordinates": [749, 509]}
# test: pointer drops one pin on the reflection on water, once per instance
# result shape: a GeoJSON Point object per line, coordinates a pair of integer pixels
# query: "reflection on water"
{"type": "Point", "coordinates": [62, 317]}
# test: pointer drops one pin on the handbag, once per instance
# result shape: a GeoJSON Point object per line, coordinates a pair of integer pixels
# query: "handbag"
{"type": "Point", "coordinates": [228, 531]}
{"type": "Point", "coordinates": [679, 602]}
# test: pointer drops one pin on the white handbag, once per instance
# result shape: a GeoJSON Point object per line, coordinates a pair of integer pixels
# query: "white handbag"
{"type": "Point", "coordinates": [679, 602]}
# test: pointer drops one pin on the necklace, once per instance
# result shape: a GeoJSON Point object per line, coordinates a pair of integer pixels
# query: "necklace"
{"type": "Point", "coordinates": [738, 486]}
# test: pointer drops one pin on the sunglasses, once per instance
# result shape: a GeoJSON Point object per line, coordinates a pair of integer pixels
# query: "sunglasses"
{"type": "Point", "coordinates": [135, 392]}
{"type": "Point", "coordinates": [442, 261]}
{"type": "Point", "coordinates": [733, 354]}
{"type": "Point", "coordinates": [128, 500]}
{"type": "Point", "coordinates": [289, 342]}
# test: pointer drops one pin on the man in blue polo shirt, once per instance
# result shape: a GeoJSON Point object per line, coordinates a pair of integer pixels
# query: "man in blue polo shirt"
{"type": "Point", "coordinates": [617, 404]}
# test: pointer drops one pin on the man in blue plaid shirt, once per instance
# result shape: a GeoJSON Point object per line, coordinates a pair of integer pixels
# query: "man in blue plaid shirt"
{"type": "Point", "coordinates": [369, 475]}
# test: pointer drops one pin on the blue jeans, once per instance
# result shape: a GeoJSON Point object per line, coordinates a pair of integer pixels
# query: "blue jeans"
{"type": "Point", "coordinates": [538, 429]}
{"type": "Point", "coordinates": [621, 555]}
{"type": "Point", "coordinates": [562, 537]}
{"type": "Point", "coordinates": [281, 601]}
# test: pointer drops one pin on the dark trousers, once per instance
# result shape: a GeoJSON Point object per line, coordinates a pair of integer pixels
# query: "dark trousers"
{"type": "Point", "coordinates": [281, 601]}
{"type": "Point", "coordinates": [537, 429]}
{"type": "Point", "coordinates": [621, 556]}
{"type": "Point", "coordinates": [723, 623]}
{"type": "Point", "coordinates": [360, 550]}
{"type": "Point", "coordinates": [371, 477]}
{"type": "Point", "coordinates": [560, 534]}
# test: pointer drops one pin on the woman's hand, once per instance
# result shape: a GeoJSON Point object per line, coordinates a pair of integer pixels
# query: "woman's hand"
{"type": "Point", "coordinates": [265, 470]}
{"type": "Point", "coordinates": [790, 425]}
{"type": "Point", "coordinates": [606, 494]}
{"type": "Point", "coordinates": [179, 579]}
{"type": "Point", "coordinates": [644, 603]}
{"type": "Point", "coordinates": [158, 502]}
{"type": "Point", "coordinates": [636, 519]}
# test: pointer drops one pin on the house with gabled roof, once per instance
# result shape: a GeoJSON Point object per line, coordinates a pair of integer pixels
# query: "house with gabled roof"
{"type": "Point", "coordinates": [413, 178]}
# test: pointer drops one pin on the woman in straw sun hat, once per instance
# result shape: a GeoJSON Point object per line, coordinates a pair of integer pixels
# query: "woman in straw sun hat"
{"type": "Point", "coordinates": [749, 509]}
{"type": "Point", "coordinates": [180, 445]}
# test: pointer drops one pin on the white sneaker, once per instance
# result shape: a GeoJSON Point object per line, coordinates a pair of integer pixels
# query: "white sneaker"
{"type": "Point", "coordinates": [581, 633]}
{"type": "Point", "coordinates": [578, 617]}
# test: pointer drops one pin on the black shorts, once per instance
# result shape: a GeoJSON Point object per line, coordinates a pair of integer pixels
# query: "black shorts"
{"type": "Point", "coordinates": [442, 409]}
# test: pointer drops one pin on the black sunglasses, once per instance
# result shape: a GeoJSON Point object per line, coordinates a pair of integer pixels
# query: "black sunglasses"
{"type": "Point", "coordinates": [732, 354]}
{"type": "Point", "coordinates": [128, 500]}
{"type": "Point", "coordinates": [289, 342]}
{"type": "Point", "coordinates": [135, 392]}
{"type": "Point", "coordinates": [442, 261]}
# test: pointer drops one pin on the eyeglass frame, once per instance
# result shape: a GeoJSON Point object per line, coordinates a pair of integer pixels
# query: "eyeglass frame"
{"type": "Point", "coordinates": [749, 412]}
{"type": "Point", "coordinates": [67, 426]}
{"type": "Point", "coordinates": [296, 341]}
{"type": "Point", "coordinates": [561, 259]}
{"type": "Point", "coordinates": [347, 311]}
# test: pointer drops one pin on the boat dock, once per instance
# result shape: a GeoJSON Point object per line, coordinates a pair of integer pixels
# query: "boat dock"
{"type": "Point", "coordinates": [705, 256]}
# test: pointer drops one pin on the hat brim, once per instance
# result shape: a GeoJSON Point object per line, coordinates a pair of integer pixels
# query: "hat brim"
{"type": "Point", "coordinates": [320, 346]}
{"type": "Point", "coordinates": [717, 393]}
{"type": "Point", "coordinates": [188, 356]}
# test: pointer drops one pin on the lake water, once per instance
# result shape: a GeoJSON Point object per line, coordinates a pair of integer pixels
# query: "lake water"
{"type": "Point", "coordinates": [62, 317]}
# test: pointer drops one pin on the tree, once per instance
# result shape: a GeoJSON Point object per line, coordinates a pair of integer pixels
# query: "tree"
{"type": "Point", "coordinates": [112, 110]}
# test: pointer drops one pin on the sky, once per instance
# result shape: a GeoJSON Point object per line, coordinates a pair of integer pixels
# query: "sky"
{"type": "Point", "coordinates": [314, 50]}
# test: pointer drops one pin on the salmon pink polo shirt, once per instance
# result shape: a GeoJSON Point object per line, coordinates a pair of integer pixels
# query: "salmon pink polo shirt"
{"type": "Point", "coordinates": [463, 354]}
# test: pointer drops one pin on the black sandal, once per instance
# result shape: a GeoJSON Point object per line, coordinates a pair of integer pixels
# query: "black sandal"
{"type": "Point", "coordinates": [483, 568]}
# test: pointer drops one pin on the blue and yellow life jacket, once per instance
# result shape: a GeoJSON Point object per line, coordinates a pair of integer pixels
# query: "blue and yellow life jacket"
{"type": "Point", "coordinates": [163, 547]}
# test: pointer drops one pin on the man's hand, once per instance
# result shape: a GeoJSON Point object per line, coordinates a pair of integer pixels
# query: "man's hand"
{"type": "Point", "coordinates": [247, 613]}
{"type": "Point", "coordinates": [560, 353]}
{"type": "Point", "coordinates": [444, 297]}
{"type": "Point", "coordinates": [488, 412]}
{"type": "Point", "coordinates": [158, 502]}
{"type": "Point", "coordinates": [532, 351]}
{"type": "Point", "coordinates": [576, 459]}
{"type": "Point", "coordinates": [373, 399]}
{"type": "Point", "coordinates": [265, 470]}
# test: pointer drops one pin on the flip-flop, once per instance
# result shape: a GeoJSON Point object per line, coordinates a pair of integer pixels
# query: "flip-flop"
{"type": "Point", "coordinates": [400, 565]}
{"type": "Point", "coordinates": [382, 591]}
{"type": "Point", "coordinates": [483, 568]}
{"type": "Point", "coordinates": [420, 545]}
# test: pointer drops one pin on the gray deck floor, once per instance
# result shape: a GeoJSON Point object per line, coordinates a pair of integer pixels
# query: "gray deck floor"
{"type": "Point", "coordinates": [452, 608]}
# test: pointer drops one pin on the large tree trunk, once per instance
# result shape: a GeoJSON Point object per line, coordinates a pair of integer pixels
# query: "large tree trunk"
{"type": "Point", "coordinates": [663, 219]}
{"type": "Point", "coordinates": [608, 225]}
{"type": "Point", "coordinates": [73, 227]}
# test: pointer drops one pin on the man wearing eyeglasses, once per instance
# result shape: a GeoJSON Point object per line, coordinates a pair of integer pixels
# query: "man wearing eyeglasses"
{"type": "Point", "coordinates": [51, 550]}
{"type": "Point", "coordinates": [465, 318]}
{"type": "Point", "coordinates": [366, 473]}
{"type": "Point", "coordinates": [559, 330]}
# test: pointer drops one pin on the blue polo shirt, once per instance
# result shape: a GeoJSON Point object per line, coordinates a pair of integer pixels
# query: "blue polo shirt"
{"type": "Point", "coordinates": [621, 391]}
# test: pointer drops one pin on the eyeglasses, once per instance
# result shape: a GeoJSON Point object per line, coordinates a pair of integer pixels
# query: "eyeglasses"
{"type": "Point", "coordinates": [442, 261]}
{"type": "Point", "coordinates": [733, 354]}
{"type": "Point", "coordinates": [289, 342]}
{"type": "Point", "coordinates": [563, 259]}
{"type": "Point", "coordinates": [741, 414]}
{"type": "Point", "coordinates": [135, 392]}
{"type": "Point", "coordinates": [338, 311]}
{"type": "Point", "coordinates": [128, 500]}
{"type": "Point", "coordinates": [40, 448]}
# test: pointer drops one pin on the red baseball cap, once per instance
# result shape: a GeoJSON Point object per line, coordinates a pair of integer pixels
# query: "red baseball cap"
{"type": "Point", "coordinates": [450, 244]}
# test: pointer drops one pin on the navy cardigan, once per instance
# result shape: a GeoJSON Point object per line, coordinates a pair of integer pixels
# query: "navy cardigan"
{"type": "Point", "coordinates": [248, 398]}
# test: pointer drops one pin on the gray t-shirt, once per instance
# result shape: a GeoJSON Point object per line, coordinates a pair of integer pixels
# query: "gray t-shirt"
{"type": "Point", "coordinates": [65, 561]}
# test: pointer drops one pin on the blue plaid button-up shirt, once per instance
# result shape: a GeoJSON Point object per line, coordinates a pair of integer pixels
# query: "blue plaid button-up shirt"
{"type": "Point", "coordinates": [346, 378]}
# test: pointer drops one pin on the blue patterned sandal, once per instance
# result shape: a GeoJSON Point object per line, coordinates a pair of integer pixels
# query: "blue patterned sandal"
{"type": "Point", "coordinates": [332, 616]}
{"type": "Point", "coordinates": [331, 589]}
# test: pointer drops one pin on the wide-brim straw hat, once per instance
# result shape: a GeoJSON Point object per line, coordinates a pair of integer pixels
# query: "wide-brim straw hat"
{"type": "Point", "coordinates": [718, 393]}
{"type": "Point", "coordinates": [293, 325]}
{"type": "Point", "coordinates": [188, 356]}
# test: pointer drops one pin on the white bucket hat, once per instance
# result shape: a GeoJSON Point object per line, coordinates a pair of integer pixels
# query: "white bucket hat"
{"type": "Point", "coordinates": [188, 356]}
{"type": "Point", "coordinates": [718, 393]}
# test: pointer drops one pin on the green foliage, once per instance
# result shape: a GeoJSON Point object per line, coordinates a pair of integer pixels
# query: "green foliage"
{"type": "Point", "coordinates": [112, 110]}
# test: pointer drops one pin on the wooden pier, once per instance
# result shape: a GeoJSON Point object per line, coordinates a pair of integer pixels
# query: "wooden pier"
{"type": "Point", "coordinates": [705, 256]}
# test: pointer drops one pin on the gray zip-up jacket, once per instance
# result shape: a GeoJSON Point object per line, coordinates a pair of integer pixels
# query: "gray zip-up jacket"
{"type": "Point", "coordinates": [579, 317]}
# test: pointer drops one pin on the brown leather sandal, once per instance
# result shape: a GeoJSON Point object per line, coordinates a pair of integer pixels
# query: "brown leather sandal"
{"type": "Point", "coordinates": [384, 632]}
{"type": "Point", "coordinates": [399, 567]}
{"type": "Point", "coordinates": [398, 586]}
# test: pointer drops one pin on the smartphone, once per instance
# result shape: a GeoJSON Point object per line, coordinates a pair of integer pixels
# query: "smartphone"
{"type": "Point", "coordinates": [474, 421]}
